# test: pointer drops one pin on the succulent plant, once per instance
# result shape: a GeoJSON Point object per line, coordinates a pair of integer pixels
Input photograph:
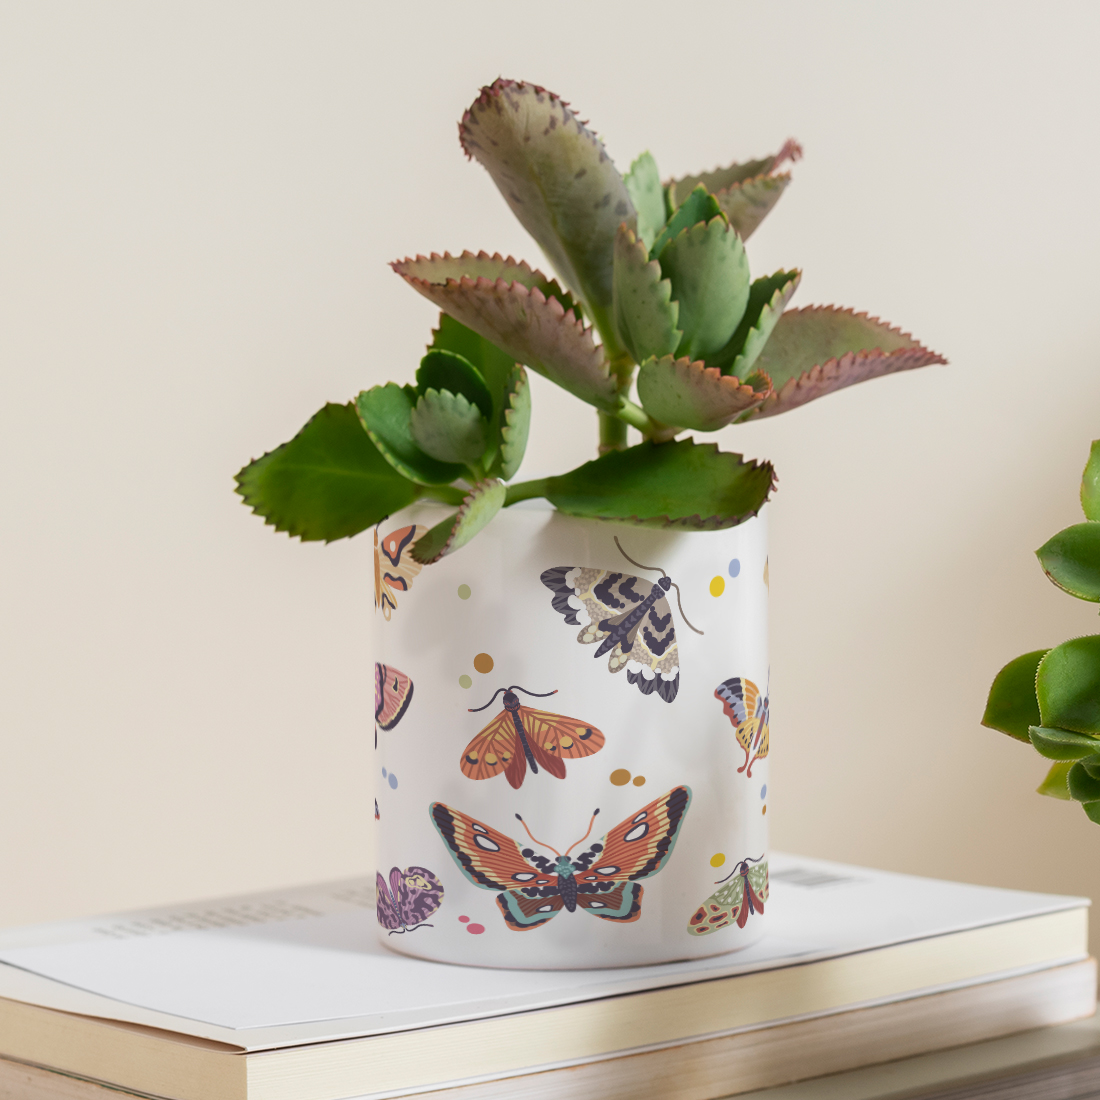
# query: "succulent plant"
{"type": "Point", "coordinates": [1051, 697]}
{"type": "Point", "coordinates": [658, 272]}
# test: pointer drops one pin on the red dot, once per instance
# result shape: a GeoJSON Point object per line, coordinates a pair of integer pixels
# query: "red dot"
{"type": "Point", "coordinates": [464, 920]}
{"type": "Point", "coordinates": [476, 929]}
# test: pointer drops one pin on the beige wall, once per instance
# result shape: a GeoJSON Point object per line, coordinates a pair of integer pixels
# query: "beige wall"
{"type": "Point", "coordinates": [197, 204]}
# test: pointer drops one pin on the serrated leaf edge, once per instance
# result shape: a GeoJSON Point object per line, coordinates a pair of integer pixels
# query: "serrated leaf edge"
{"type": "Point", "coordinates": [776, 303]}
{"type": "Point", "coordinates": [725, 382]}
{"type": "Point", "coordinates": [468, 502]}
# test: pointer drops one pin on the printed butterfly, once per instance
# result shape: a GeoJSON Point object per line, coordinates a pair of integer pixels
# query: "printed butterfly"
{"type": "Point", "coordinates": [628, 616]}
{"type": "Point", "coordinates": [394, 567]}
{"type": "Point", "coordinates": [602, 881]}
{"type": "Point", "coordinates": [409, 899]}
{"type": "Point", "coordinates": [393, 692]}
{"type": "Point", "coordinates": [521, 736]}
{"type": "Point", "coordinates": [744, 707]}
{"type": "Point", "coordinates": [734, 902]}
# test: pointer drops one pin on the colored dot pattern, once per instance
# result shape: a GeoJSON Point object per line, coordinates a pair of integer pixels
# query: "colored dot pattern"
{"type": "Point", "coordinates": [483, 663]}
{"type": "Point", "coordinates": [717, 586]}
{"type": "Point", "coordinates": [390, 778]}
{"type": "Point", "coordinates": [464, 681]}
{"type": "Point", "coordinates": [639, 781]}
{"type": "Point", "coordinates": [764, 791]}
{"type": "Point", "coordinates": [473, 929]}
{"type": "Point", "coordinates": [620, 777]}
{"type": "Point", "coordinates": [464, 592]}
{"type": "Point", "coordinates": [718, 859]}
{"type": "Point", "coordinates": [735, 567]}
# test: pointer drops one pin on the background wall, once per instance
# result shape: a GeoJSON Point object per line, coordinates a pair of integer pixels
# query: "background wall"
{"type": "Point", "coordinates": [197, 205]}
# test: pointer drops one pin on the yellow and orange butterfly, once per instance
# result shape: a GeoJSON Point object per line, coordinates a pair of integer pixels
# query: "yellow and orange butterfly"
{"type": "Point", "coordinates": [520, 736]}
{"type": "Point", "coordinates": [748, 712]}
{"type": "Point", "coordinates": [394, 566]}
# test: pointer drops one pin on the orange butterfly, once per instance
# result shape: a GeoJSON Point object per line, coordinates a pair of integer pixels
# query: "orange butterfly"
{"type": "Point", "coordinates": [394, 566]}
{"type": "Point", "coordinates": [520, 736]}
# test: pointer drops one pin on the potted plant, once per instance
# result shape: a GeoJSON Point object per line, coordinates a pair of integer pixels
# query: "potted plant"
{"type": "Point", "coordinates": [1051, 697]}
{"type": "Point", "coordinates": [653, 557]}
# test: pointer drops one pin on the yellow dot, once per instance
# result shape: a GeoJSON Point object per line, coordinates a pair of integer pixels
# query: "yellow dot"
{"type": "Point", "coordinates": [620, 777]}
{"type": "Point", "coordinates": [717, 586]}
{"type": "Point", "coordinates": [483, 663]}
{"type": "Point", "coordinates": [463, 591]}
{"type": "Point", "coordinates": [763, 809]}
{"type": "Point", "coordinates": [639, 781]}
{"type": "Point", "coordinates": [717, 859]}
{"type": "Point", "coordinates": [465, 681]}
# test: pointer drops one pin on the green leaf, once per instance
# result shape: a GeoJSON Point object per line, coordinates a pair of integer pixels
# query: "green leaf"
{"type": "Point", "coordinates": [482, 502]}
{"type": "Point", "coordinates": [447, 370]}
{"type": "Point", "coordinates": [1068, 685]}
{"type": "Point", "coordinates": [447, 427]}
{"type": "Point", "coordinates": [819, 349]}
{"type": "Point", "coordinates": [699, 207]}
{"type": "Point", "coordinates": [523, 322]}
{"type": "Point", "coordinates": [1092, 811]}
{"type": "Point", "coordinates": [1071, 559]}
{"type": "Point", "coordinates": [1090, 483]}
{"type": "Point", "coordinates": [645, 314]}
{"type": "Point", "coordinates": [516, 424]}
{"type": "Point", "coordinates": [768, 297]}
{"type": "Point", "coordinates": [558, 179]}
{"type": "Point", "coordinates": [709, 272]}
{"type": "Point", "coordinates": [329, 482]}
{"type": "Point", "coordinates": [679, 484]}
{"type": "Point", "coordinates": [386, 413]}
{"type": "Point", "coordinates": [722, 178]}
{"type": "Point", "coordinates": [1091, 764]}
{"type": "Point", "coordinates": [1056, 783]}
{"type": "Point", "coordinates": [643, 184]}
{"type": "Point", "coordinates": [1058, 744]}
{"type": "Point", "coordinates": [691, 395]}
{"type": "Point", "coordinates": [1082, 786]}
{"type": "Point", "coordinates": [1012, 707]}
{"type": "Point", "coordinates": [748, 204]}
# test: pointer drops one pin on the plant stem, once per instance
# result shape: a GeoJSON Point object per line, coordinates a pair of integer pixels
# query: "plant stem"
{"type": "Point", "coordinates": [527, 490]}
{"type": "Point", "coordinates": [445, 494]}
{"type": "Point", "coordinates": [612, 432]}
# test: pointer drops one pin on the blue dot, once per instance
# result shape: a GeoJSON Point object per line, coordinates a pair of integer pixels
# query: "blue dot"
{"type": "Point", "coordinates": [383, 773]}
{"type": "Point", "coordinates": [763, 790]}
{"type": "Point", "coordinates": [393, 781]}
{"type": "Point", "coordinates": [735, 567]}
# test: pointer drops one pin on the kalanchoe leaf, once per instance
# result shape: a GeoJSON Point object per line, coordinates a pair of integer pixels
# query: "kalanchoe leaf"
{"type": "Point", "coordinates": [447, 370]}
{"type": "Point", "coordinates": [558, 179]}
{"type": "Point", "coordinates": [1072, 560]}
{"type": "Point", "coordinates": [768, 297]}
{"type": "Point", "coordinates": [1091, 764]}
{"type": "Point", "coordinates": [516, 424]}
{"type": "Point", "coordinates": [722, 178]}
{"type": "Point", "coordinates": [1055, 785]}
{"type": "Point", "coordinates": [709, 272]}
{"type": "Point", "coordinates": [748, 204]}
{"type": "Point", "coordinates": [449, 428]}
{"type": "Point", "coordinates": [1068, 685]}
{"type": "Point", "coordinates": [645, 314]}
{"type": "Point", "coordinates": [680, 484]}
{"type": "Point", "coordinates": [678, 391]}
{"type": "Point", "coordinates": [1092, 811]}
{"type": "Point", "coordinates": [1090, 483]}
{"type": "Point", "coordinates": [329, 482]}
{"type": "Point", "coordinates": [1012, 707]}
{"type": "Point", "coordinates": [1059, 744]}
{"type": "Point", "coordinates": [386, 413]}
{"type": "Point", "coordinates": [482, 502]}
{"type": "Point", "coordinates": [699, 207]}
{"type": "Point", "coordinates": [643, 184]}
{"type": "Point", "coordinates": [522, 322]}
{"type": "Point", "coordinates": [1082, 786]}
{"type": "Point", "coordinates": [819, 349]}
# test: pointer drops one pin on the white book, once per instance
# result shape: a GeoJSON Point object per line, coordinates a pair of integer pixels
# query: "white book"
{"type": "Point", "coordinates": [289, 996]}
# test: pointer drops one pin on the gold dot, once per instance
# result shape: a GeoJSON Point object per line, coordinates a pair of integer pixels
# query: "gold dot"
{"type": "Point", "coordinates": [639, 781]}
{"type": "Point", "coordinates": [620, 777]}
{"type": "Point", "coordinates": [763, 809]}
{"type": "Point", "coordinates": [483, 663]}
{"type": "Point", "coordinates": [717, 586]}
{"type": "Point", "coordinates": [717, 859]}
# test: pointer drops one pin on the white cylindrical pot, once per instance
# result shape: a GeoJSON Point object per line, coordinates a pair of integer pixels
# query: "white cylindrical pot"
{"type": "Point", "coordinates": [674, 759]}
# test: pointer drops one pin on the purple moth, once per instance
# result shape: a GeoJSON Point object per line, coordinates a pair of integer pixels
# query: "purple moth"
{"type": "Point", "coordinates": [408, 899]}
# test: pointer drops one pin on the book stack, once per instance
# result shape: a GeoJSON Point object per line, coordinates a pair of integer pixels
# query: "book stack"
{"type": "Point", "coordinates": [288, 996]}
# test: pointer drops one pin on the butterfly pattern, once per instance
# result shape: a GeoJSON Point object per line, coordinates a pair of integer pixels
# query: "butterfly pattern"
{"type": "Point", "coordinates": [745, 894]}
{"type": "Point", "coordinates": [394, 566]}
{"type": "Point", "coordinates": [630, 618]}
{"type": "Point", "coordinates": [393, 692]}
{"type": "Point", "coordinates": [602, 881]}
{"type": "Point", "coordinates": [748, 711]}
{"type": "Point", "coordinates": [522, 737]}
{"type": "Point", "coordinates": [408, 899]}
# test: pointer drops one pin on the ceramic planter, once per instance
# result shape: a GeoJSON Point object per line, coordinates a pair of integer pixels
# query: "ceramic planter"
{"type": "Point", "coordinates": [668, 742]}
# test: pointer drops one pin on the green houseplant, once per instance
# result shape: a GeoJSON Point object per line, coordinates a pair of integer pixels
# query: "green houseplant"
{"type": "Point", "coordinates": [1051, 697]}
{"type": "Point", "coordinates": [658, 272]}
